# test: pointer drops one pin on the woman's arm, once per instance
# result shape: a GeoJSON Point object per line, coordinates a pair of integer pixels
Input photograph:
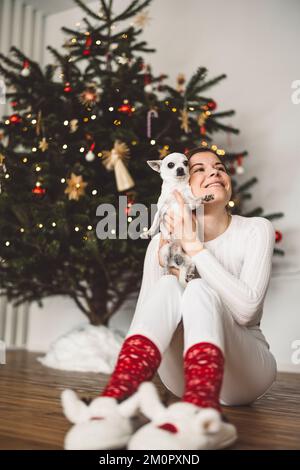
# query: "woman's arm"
{"type": "Point", "coordinates": [243, 295]}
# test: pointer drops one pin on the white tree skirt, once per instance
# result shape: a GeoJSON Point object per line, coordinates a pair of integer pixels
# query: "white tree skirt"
{"type": "Point", "coordinates": [86, 348]}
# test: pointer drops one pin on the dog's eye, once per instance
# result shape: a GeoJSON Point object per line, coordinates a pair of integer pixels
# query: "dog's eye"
{"type": "Point", "coordinates": [185, 163]}
{"type": "Point", "coordinates": [171, 165]}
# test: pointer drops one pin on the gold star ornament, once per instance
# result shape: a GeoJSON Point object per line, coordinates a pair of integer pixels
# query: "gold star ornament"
{"type": "Point", "coordinates": [76, 187]}
{"type": "Point", "coordinates": [163, 152]}
{"type": "Point", "coordinates": [142, 19]}
{"type": "Point", "coordinates": [43, 144]}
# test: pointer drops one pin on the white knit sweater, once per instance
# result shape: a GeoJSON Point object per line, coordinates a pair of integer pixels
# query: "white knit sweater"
{"type": "Point", "coordinates": [236, 264]}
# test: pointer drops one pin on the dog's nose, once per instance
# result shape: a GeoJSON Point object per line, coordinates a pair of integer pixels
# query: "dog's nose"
{"type": "Point", "coordinates": [180, 171]}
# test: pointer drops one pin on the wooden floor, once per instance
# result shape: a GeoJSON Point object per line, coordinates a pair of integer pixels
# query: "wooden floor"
{"type": "Point", "coordinates": [31, 416]}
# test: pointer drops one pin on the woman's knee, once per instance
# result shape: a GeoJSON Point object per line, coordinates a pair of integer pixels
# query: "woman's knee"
{"type": "Point", "coordinates": [168, 280]}
{"type": "Point", "coordinates": [238, 391]}
{"type": "Point", "coordinates": [198, 288]}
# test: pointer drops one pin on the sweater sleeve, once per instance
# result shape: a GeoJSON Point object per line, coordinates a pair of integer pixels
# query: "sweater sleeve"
{"type": "Point", "coordinates": [244, 295]}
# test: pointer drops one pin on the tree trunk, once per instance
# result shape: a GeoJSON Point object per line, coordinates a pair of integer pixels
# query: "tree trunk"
{"type": "Point", "coordinates": [98, 305]}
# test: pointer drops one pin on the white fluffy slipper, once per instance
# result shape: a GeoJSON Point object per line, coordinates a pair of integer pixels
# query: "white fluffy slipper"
{"type": "Point", "coordinates": [180, 426]}
{"type": "Point", "coordinates": [103, 424]}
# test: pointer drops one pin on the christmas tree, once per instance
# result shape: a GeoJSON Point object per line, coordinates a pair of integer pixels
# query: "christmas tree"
{"type": "Point", "coordinates": [78, 136]}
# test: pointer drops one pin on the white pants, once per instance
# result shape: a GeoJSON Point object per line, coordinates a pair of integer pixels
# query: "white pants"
{"type": "Point", "coordinates": [175, 318]}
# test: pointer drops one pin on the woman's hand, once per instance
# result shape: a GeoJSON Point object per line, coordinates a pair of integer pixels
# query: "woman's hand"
{"type": "Point", "coordinates": [184, 227]}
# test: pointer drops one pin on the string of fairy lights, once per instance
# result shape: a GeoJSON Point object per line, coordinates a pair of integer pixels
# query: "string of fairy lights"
{"type": "Point", "coordinates": [38, 166]}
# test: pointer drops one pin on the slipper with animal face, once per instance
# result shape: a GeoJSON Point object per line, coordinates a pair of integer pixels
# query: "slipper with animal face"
{"type": "Point", "coordinates": [180, 426]}
{"type": "Point", "coordinates": [104, 423]}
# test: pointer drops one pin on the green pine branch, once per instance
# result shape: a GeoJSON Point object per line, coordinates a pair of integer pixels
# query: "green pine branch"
{"type": "Point", "coordinates": [248, 184]}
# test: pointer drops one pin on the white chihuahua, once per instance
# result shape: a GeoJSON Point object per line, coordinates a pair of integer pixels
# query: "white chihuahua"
{"type": "Point", "coordinates": [174, 172]}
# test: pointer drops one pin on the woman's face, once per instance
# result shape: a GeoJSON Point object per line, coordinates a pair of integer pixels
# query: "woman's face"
{"type": "Point", "coordinates": [208, 175]}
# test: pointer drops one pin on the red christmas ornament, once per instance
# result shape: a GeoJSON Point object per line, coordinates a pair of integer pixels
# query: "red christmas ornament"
{"type": "Point", "coordinates": [67, 88]}
{"type": "Point", "coordinates": [147, 79]}
{"type": "Point", "coordinates": [232, 169]}
{"type": "Point", "coordinates": [38, 191]}
{"type": "Point", "coordinates": [25, 72]}
{"type": "Point", "coordinates": [125, 108]}
{"type": "Point", "coordinates": [278, 236]}
{"type": "Point", "coordinates": [14, 104]}
{"type": "Point", "coordinates": [130, 202]}
{"type": "Point", "coordinates": [88, 43]}
{"type": "Point", "coordinates": [90, 156]}
{"type": "Point", "coordinates": [15, 118]}
{"type": "Point", "coordinates": [202, 130]}
{"type": "Point", "coordinates": [130, 199]}
{"type": "Point", "coordinates": [212, 105]}
{"type": "Point", "coordinates": [240, 170]}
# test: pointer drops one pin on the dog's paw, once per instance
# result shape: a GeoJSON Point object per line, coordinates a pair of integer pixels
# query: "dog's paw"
{"type": "Point", "coordinates": [189, 277]}
{"type": "Point", "coordinates": [145, 235]}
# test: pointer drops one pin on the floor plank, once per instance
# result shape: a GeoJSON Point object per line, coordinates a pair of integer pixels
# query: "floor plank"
{"type": "Point", "coordinates": [31, 416]}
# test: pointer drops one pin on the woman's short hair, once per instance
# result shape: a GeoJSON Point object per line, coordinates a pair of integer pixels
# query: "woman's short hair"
{"type": "Point", "coordinates": [195, 150]}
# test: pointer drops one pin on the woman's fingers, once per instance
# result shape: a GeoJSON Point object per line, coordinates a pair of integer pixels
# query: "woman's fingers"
{"type": "Point", "coordinates": [169, 223]}
{"type": "Point", "coordinates": [169, 228]}
{"type": "Point", "coordinates": [182, 207]}
{"type": "Point", "coordinates": [175, 222]}
{"type": "Point", "coordinates": [179, 198]}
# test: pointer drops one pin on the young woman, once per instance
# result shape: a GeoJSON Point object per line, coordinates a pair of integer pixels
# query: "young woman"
{"type": "Point", "coordinates": [204, 340]}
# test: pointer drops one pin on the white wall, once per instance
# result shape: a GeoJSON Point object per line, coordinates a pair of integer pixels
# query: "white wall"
{"type": "Point", "coordinates": [255, 43]}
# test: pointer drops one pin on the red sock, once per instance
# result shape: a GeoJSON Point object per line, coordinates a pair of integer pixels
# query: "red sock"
{"type": "Point", "coordinates": [138, 361]}
{"type": "Point", "coordinates": [203, 371]}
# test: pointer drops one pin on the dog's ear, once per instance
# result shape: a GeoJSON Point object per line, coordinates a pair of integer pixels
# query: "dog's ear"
{"type": "Point", "coordinates": [155, 164]}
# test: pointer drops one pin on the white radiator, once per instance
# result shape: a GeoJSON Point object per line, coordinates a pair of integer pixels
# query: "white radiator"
{"type": "Point", "coordinates": [13, 324]}
{"type": "Point", "coordinates": [22, 26]}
